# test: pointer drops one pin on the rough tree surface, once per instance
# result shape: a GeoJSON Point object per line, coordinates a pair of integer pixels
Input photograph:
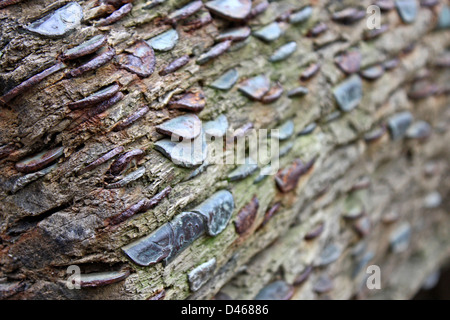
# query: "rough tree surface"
{"type": "Point", "coordinates": [364, 132]}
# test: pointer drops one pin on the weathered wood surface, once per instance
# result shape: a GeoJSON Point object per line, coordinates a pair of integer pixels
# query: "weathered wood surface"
{"type": "Point", "coordinates": [64, 216]}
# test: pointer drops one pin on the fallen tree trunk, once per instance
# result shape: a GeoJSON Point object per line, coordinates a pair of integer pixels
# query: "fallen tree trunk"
{"type": "Point", "coordinates": [90, 181]}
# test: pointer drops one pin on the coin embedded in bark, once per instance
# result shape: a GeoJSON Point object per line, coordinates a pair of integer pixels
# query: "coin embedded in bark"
{"type": "Point", "coordinates": [400, 238]}
{"type": "Point", "coordinates": [185, 127]}
{"type": "Point", "coordinates": [444, 18]}
{"type": "Point", "coordinates": [98, 279]}
{"type": "Point", "coordinates": [187, 154]}
{"type": "Point", "coordinates": [419, 130]}
{"type": "Point", "coordinates": [278, 290]}
{"type": "Point", "coordinates": [214, 52]}
{"type": "Point", "coordinates": [323, 285]}
{"type": "Point", "coordinates": [226, 81]}
{"type": "Point", "coordinates": [244, 170]}
{"type": "Point", "coordinates": [40, 160]}
{"type": "Point", "coordinates": [60, 22]}
{"type": "Point", "coordinates": [216, 128]}
{"type": "Point", "coordinates": [407, 9]}
{"type": "Point", "coordinates": [191, 101]}
{"type": "Point", "coordinates": [166, 41]}
{"type": "Point", "coordinates": [301, 16]}
{"type": "Point", "coordinates": [399, 123]}
{"type": "Point", "coordinates": [85, 48]}
{"type": "Point", "coordinates": [140, 61]}
{"type": "Point", "coordinates": [255, 87]}
{"type": "Point", "coordinates": [329, 254]}
{"type": "Point", "coordinates": [269, 33]}
{"type": "Point", "coordinates": [285, 131]}
{"type": "Point", "coordinates": [372, 73]}
{"type": "Point", "coordinates": [349, 62]}
{"type": "Point", "coordinates": [234, 10]}
{"type": "Point", "coordinates": [283, 52]}
{"type": "Point", "coordinates": [234, 34]}
{"type": "Point", "coordinates": [348, 94]}
{"type": "Point", "coordinates": [216, 211]}
{"type": "Point", "coordinates": [201, 274]}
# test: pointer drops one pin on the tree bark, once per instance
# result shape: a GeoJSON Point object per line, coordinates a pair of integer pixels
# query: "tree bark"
{"type": "Point", "coordinates": [365, 181]}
